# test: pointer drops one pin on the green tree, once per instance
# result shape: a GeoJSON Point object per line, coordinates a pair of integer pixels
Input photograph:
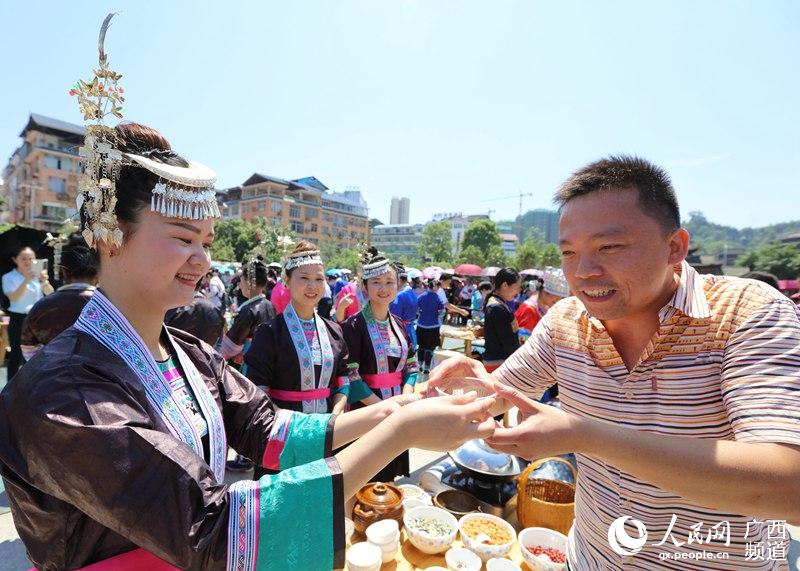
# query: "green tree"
{"type": "Point", "coordinates": [783, 260]}
{"type": "Point", "coordinates": [437, 242]}
{"type": "Point", "coordinates": [528, 256]}
{"type": "Point", "coordinates": [536, 253]}
{"type": "Point", "coordinates": [495, 256]}
{"type": "Point", "coordinates": [483, 234]}
{"type": "Point", "coordinates": [471, 255]}
{"type": "Point", "coordinates": [237, 239]}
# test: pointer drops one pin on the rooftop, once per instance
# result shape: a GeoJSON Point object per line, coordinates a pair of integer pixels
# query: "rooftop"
{"type": "Point", "coordinates": [49, 124]}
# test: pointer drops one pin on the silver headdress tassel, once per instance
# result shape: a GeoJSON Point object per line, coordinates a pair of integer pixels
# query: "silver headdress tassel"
{"type": "Point", "coordinates": [182, 192]}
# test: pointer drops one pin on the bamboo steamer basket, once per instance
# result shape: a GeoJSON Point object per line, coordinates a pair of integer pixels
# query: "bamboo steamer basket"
{"type": "Point", "coordinates": [545, 503]}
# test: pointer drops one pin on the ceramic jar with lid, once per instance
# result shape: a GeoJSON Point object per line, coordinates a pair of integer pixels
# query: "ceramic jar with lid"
{"type": "Point", "coordinates": [375, 502]}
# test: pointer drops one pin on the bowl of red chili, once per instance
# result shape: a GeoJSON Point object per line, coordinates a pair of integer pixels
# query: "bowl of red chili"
{"type": "Point", "coordinates": [543, 549]}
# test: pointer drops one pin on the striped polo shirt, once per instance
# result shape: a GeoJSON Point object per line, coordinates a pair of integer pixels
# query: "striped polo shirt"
{"type": "Point", "coordinates": [724, 365]}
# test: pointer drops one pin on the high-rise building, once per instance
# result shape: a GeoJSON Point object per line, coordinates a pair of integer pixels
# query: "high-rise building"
{"type": "Point", "coordinates": [399, 211]}
{"type": "Point", "coordinates": [41, 177]}
{"type": "Point", "coordinates": [305, 205]}
{"type": "Point", "coordinates": [545, 220]}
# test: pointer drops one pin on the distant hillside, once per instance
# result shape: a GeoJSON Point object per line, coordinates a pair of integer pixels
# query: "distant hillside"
{"type": "Point", "coordinates": [712, 238]}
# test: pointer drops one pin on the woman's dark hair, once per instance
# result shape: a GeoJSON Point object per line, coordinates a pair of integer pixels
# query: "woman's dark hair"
{"type": "Point", "coordinates": [21, 248]}
{"type": "Point", "coordinates": [485, 286]}
{"type": "Point", "coordinates": [508, 276]}
{"type": "Point", "coordinates": [135, 184]}
{"type": "Point", "coordinates": [260, 268]}
{"type": "Point", "coordinates": [302, 246]}
{"type": "Point", "coordinates": [78, 261]}
{"type": "Point", "coordinates": [432, 283]}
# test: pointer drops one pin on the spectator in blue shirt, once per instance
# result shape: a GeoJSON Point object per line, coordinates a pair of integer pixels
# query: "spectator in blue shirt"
{"type": "Point", "coordinates": [431, 310]}
{"type": "Point", "coordinates": [405, 308]}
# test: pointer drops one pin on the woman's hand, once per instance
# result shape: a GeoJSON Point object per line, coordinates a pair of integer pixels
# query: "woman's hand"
{"type": "Point", "coordinates": [456, 368]}
{"type": "Point", "coordinates": [542, 431]}
{"type": "Point", "coordinates": [444, 423]}
{"type": "Point", "coordinates": [346, 300]}
{"type": "Point", "coordinates": [395, 403]}
{"type": "Point", "coordinates": [43, 276]}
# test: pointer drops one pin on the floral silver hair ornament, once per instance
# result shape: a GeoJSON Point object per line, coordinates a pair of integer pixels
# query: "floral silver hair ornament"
{"type": "Point", "coordinates": [302, 259]}
{"type": "Point", "coordinates": [182, 192]}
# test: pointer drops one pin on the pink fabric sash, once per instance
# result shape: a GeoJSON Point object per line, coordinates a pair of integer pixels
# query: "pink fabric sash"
{"type": "Point", "coordinates": [383, 380]}
{"type": "Point", "coordinates": [299, 396]}
{"type": "Point", "coordinates": [135, 560]}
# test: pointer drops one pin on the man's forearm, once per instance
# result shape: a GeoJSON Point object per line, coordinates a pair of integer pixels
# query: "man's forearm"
{"type": "Point", "coordinates": [753, 479]}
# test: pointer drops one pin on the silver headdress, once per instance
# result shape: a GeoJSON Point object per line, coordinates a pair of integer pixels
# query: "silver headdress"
{"type": "Point", "coordinates": [555, 283]}
{"type": "Point", "coordinates": [374, 270]}
{"type": "Point", "coordinates": [302, 259]}
{"type": "Point", "coordinates": [370, 269]}
{"type": "Point", "coordinates": [180, 193]}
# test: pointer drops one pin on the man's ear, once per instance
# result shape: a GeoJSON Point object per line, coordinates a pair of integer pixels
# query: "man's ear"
{"type": "Point", "coordinates": [678, 246]}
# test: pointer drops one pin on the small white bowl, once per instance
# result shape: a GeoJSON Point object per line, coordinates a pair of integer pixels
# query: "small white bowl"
{"type": "Point", "coordinates": [484, 550]}
{"type": "Point", "coordinates": [416, 493]}
{"type": "Point", "coordinates": [411, 503]}
{"type": "Point", "coordinates": [533, 536]}
{"type": "Point", "coordinates": [411, 491]}
{"type": "Point", "coordinates": [424, 541]}
{"type": "Point", "coordinates": [501, 564]}
{"type": "Point", "coordinates": [383, 531]}
{"type": "Point", "coordinates": [364, 556]}
{"type": "Point", "coordinates": [462, 559]}
{"type": "Point", "coordinates": [389, 550]}
{"type": "Point", "coordinates": [436, 568]}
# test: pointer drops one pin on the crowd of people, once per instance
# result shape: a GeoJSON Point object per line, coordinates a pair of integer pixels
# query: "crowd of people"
{"type": "Point", "coordinates": [678, 391]}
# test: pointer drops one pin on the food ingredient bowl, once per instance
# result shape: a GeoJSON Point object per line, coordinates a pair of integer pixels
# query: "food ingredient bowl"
{"type": "Point", "coordinates": [431, 530]}
{"type": "Point", "coordinates": [487, 535]}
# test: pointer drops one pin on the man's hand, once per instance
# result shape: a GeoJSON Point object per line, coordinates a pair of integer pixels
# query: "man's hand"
{"type": "Point", "coordinates": [456, 368]}
{"type": "Point", "coordinates": [543, 430]}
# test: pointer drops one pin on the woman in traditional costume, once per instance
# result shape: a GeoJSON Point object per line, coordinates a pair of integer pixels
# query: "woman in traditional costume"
{"type": "Point", "coordinates": [382, 363]}
{"type": "Point", "coordinates": [546, 293]}
{"type": "Point", "coordinates": [113, 437]}
{"type": "Point", "coordinates": [77, 267]}
{"type": "Point", "coordinates": [250, 314]}
{"type": "Point", "coordinates": [300, 356]}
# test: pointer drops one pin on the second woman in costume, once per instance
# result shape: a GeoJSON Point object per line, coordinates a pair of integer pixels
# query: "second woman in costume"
{"type": "Point", "coordinates": [300, 356]}
{"type": "Point", "coordinates": [382, 362]}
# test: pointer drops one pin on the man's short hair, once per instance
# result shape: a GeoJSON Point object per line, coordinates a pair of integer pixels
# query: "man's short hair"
{"type": "Point", "coordinates": [619, 172]}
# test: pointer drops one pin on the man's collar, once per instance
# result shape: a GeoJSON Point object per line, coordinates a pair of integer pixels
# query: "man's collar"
{"type": "Point", "coordinates": [690, 297]}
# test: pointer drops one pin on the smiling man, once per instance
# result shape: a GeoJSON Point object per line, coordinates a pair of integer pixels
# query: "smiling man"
{"type": "Point", "coordinates": [679, 391]}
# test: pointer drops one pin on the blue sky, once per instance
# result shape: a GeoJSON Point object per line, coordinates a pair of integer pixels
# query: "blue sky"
{"type": "Point", "coordinates": [453, 104]}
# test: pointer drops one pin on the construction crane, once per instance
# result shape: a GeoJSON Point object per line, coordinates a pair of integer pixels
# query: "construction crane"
{"type": "Point", "coordinates": [519, 216]}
